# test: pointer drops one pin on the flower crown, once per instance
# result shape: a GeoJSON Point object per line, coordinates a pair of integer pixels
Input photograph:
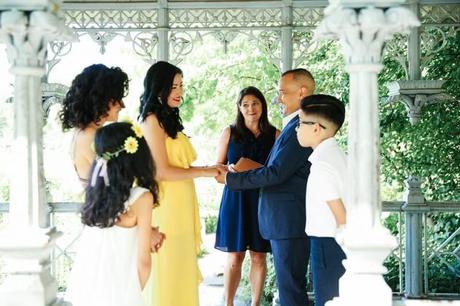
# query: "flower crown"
{"type": "Point", "coordinates": [130, 145]}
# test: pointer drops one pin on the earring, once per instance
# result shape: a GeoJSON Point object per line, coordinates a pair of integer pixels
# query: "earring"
{"type": "Point", "coordinates": [159, 100]}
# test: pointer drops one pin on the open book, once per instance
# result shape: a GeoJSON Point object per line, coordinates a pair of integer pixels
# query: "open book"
{"type": "Point", "coordinates": [246, 164]}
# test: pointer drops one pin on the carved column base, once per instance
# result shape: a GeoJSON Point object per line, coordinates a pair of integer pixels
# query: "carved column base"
{"type": "Point", "coordinates": [26, 253]}
{"type": "Point", "coordinates": [363, 283]}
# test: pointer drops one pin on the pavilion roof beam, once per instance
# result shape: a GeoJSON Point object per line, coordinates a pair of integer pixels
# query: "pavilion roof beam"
{"type": "Point", "coordinates": [191, 5]}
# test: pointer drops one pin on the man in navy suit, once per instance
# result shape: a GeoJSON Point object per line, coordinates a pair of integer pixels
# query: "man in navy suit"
{"type": "Point", "coordinates": [282, 182]}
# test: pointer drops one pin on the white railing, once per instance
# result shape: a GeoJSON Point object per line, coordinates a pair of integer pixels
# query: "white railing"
{"type": "Point", "coordinates": [64, 216]}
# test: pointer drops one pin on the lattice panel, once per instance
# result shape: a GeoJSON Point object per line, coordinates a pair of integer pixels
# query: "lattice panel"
{"type": "Point", "coordinates": [111, 19]}
{"type": "Point", "coordinates": [440, 14]}
{"type": "Point", "coordinates": [224, 18]}
{"type": "Point", "coordinates": [307, 17]}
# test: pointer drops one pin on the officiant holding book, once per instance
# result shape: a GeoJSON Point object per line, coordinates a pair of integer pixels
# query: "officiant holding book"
{"type": "Point", "coordinates": [244, 145]}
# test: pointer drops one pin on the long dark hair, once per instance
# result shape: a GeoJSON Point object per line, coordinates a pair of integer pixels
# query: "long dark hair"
{"type": "Point", "coordinates": [90, 95]}
{"type": "Point", "coordinates": [157, 87]}
{"type": "Point", "coordinates": [239, 130]}
{"type": "Point", "coordinates": [104, 203]}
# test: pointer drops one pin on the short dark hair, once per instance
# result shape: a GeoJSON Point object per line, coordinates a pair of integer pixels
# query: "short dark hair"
{"type": "Point", "coordinates": [326, 107]}
{"type": "Point", "coordinates": [299, 73]}
{"type": "Point", "coordinates": [90, 95]}
{"type": "Point", "coordinates": [158, 83]}
{"type": "Point", "coordinates": [103, 203]}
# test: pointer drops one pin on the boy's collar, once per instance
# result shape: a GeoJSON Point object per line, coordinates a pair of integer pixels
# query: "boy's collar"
{"type": "Point", "coordinates": [326, 143]}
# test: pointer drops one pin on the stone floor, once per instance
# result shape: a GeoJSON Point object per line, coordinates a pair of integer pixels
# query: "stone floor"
{"type": "Point", "coordinates": [212, 268]}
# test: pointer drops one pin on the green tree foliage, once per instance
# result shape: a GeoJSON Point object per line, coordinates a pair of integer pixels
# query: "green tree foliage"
{"type": "Point", "coordinates": [213, 90]}
{"type": "Point", "coordinates": [431, 148]}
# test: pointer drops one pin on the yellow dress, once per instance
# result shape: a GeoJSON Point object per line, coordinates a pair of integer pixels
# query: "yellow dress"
{"type": "Point", "coordinates": [175, 275]}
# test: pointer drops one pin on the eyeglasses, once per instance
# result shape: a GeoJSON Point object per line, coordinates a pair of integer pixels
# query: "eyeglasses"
{"type": "Point", "coordinates": [309, 123]}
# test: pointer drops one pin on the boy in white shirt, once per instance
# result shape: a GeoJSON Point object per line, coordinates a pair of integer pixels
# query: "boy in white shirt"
{"type": "Point", "coordinates": [321, 117]}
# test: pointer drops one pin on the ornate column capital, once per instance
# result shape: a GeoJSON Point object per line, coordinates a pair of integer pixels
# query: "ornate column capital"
{"type": "Point", "coordinates": [362, 30]}
{"type": "Point", "coordinates": [27, 33]}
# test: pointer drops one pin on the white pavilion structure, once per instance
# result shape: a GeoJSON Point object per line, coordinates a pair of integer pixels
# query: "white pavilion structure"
{"type": "Point", "coordinates": [165, 30]}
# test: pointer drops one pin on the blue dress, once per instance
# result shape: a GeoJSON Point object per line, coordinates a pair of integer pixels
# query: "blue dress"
{"type": "Point", "coordinates": [238, 225]}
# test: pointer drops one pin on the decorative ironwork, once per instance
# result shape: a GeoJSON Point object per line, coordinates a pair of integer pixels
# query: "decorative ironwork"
{"type": "Point", "coordinates": [142, 21]}
{"type": "Point", "coordinates": [102, 39]}
{"type": "Point", "coordinates": [303, 45]}
{"type": "Point", "coordinates": [52, 93]}
{"type": "Point", "coordinates": [396, 48]}
{"type": "Point", "coordinates": [56, 50]}
{"type": "Point", "coordinates": [434, 39]}
{"type": "Point", "coordinates": [224, 18]}
{"type": "Point", "coordinates": [270, 42]}
{"type": "Point", "coordinates": [225, 38]}
{"type": "Point", "coordinates": [111, 19]}
{"type": "Point", "coordinates": [181, 44]}
{"type": "Point", "coordinates": [145, 44]}
{"type": "Point", "coordinates": [307, 17]}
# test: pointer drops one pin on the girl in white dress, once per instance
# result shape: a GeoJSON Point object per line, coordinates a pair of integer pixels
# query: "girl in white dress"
{"type": "Point", "coordinates": [113, 259]}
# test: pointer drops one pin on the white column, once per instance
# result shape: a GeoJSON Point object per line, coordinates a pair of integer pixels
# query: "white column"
{"type": "Point", "coordinates": [286, 37]}
{"type": "Point", "coordinates": [362, 29]}
{"type": "Point", "coordinates": [413, 50]}
{"type": "Point", "coordinates": [26, 242]}
{"type": "Point", "coordinates": [163, 31]}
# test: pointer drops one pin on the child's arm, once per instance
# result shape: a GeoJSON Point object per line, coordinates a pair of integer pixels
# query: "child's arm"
{"type": "Point", "coordinates": [143, 210]}
{"type": "Point", "coordinates": [338, 210]}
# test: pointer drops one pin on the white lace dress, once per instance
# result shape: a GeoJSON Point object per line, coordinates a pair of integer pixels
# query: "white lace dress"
{"type": "Point", "coordinates": [105, 269]}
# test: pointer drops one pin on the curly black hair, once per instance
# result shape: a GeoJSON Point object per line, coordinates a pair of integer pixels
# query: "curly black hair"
{"type": "Point", "coordinates": [104, 203]}
{"type": "Point", "coordinates": [157, 87]}
{"type": "Point", "coordinates": [90, 95]}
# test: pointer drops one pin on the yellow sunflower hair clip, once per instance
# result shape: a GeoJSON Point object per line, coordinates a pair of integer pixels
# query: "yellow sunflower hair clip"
{"type": "Point", "coordinates": [130, 145]}
{"type": "Point", "coordinates": [137, 130]}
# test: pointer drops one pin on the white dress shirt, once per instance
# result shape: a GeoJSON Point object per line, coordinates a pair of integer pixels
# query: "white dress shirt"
{"type": "Point", "coordinates": [289, 117]}
{"type": "Point", "coordinates": [325, 183]}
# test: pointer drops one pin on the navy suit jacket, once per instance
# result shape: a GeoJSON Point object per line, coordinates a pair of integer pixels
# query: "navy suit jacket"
{"type": "Point", "coordinates": [282, 182]}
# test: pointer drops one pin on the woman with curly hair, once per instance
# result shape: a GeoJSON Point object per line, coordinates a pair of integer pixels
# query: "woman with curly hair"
{"type": "Point", "coordinates": [175, 272]}
{"type": "Point", "coordinates": [95, 97]}
{"type": "Point", "coordinates": [113, 260]}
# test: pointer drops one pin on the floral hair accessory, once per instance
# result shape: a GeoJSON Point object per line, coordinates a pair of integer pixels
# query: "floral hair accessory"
{"type": "Point", "coordinates": [130, 144]}
{"type": "Point", "coordinates": [137, 130]}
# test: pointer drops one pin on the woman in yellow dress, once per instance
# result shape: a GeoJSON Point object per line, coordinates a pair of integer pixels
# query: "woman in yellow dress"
{"type": "Point", "coordinates": [175, 274]}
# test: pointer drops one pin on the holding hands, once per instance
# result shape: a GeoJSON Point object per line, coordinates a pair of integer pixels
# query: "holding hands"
{"type": "Point", "coordinates": [222, 169]}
